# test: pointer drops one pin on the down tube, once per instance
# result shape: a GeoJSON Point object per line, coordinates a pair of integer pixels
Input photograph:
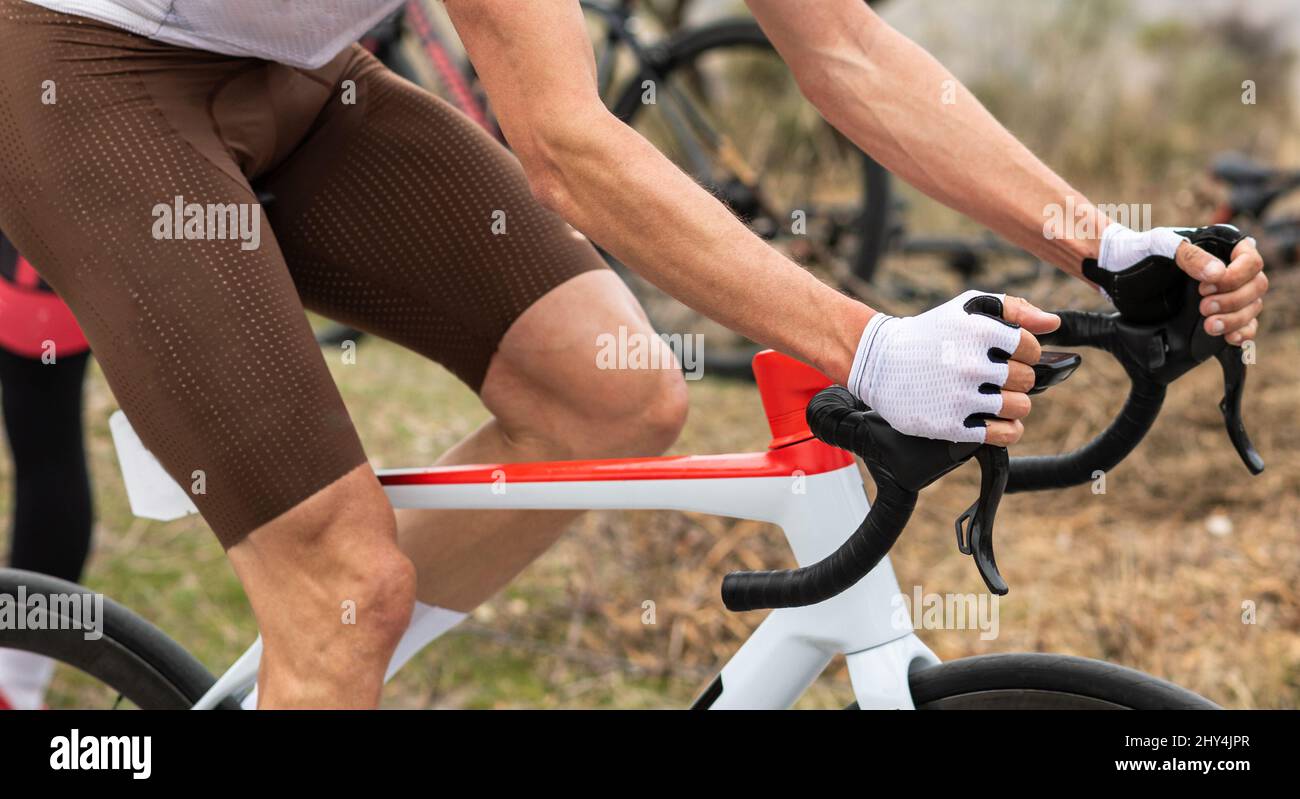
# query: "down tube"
{"type": "Point", "coordinates": [792, 646]}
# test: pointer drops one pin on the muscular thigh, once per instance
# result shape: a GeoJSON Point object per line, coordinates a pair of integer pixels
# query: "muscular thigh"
{"type": "Point", "coordinates": [401, 217]}
{"type": "Point", "coordinates": [548, 379]}
{"type": "Point", "coordinates": [204, 341]}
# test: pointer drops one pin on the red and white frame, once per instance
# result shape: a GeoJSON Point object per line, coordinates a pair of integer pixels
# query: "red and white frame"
{"type": "Point", "coordinates": [811, 491]}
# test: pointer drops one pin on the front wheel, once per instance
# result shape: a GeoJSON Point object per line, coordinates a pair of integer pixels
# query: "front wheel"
{"type": "Point", "coordinates": [1045, 682]}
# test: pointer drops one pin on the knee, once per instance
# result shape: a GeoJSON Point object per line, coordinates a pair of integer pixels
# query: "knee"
{"type": "Point", "coordinates": [664, 414]}
{"type": "Point", "coordinates": [343, 541]}
{"type": "Point", "coordinates": [385, 599]}
{"type": "Point", "coordinates": [383, 578]}
{"type": "Point", "coordinates": [642, 415]}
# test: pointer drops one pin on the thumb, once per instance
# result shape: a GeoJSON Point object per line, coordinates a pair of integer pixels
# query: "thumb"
{"type": "Point", "coordinates": [1198, 263]}
{"type": "Point", "coordinates": [1029, 316]}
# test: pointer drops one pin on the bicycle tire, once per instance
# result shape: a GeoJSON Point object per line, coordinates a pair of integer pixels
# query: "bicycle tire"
{"type": "Point", "coordinates": [872, 225]}
{"type": "Point", "coordinates": [133, 657]}
{"type": "Point", "coordinates": [1029, 681]}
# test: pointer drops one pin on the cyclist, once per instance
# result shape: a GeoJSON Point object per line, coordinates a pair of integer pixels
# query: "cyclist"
{"type": "Point", "coordinates": [396, 215]}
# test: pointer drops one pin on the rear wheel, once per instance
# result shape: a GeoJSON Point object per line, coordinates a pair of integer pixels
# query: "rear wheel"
{"type": "Point", "coordinates": [132, 664]}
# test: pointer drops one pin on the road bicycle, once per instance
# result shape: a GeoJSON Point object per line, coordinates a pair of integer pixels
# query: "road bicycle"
{"type": "Point", "coordinates": [1254, 191]}
{"type": "Point", "coordinates": [841, 598]}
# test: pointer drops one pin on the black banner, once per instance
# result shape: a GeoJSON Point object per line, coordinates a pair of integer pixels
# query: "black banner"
{"type": "Point", "coordinates": [873, 749]}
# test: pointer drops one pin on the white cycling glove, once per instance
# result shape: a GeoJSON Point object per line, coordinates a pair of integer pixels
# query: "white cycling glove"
{"type": "Point", "coordinates": [927, 374]}
{"type": "Point", "coordinates": [1122, 247]}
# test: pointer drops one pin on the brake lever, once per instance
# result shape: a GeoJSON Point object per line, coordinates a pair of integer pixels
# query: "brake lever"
{"type": "Point", "coordinates": [975, 525]}
{"type": "Point", "coordinates": [1231, 359]}
{"type": "Point", "coordinates": [1220, 242]}
{"type": "Point", "coordinates": [1234, 386]}
{"type": "Point", "coordinates": [1162, 350]}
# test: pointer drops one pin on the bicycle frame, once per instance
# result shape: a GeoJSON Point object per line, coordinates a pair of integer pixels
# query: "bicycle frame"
{"type": "Point", "coordinates": [811, 491]}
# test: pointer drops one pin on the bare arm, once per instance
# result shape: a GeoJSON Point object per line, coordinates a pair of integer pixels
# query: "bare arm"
{"type": "Point", "coordinates": [606, 180]}
{"type": "Point", "coordinates": [895, 101]}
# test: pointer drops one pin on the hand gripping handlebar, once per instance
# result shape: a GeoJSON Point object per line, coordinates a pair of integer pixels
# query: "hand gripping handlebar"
{"type": "Point", "coordinates": [1157, 334]}
{"type": "Point", "coordinates": [901, 465]}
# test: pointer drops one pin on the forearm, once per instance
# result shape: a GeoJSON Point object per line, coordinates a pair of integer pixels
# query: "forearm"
{"type": "Point", "coordinates": [906, 110]}
{"type": "Point", "coordinates": [611, 184]}
{"type": "Point", "coordinates": [614, 186]}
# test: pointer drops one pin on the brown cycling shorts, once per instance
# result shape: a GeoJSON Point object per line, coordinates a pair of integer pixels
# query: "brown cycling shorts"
{"type": "Point", "coordinates": [392, 213]}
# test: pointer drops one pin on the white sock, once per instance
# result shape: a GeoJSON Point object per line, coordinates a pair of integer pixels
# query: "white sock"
{"type": "Point", "coordinates": [24, 677]}
{"type": "Point", "coordinates": [428, 623]}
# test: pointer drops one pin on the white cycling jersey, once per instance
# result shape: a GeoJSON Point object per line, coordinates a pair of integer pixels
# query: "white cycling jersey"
{"type": "Point", "coordinates": [301, 33]}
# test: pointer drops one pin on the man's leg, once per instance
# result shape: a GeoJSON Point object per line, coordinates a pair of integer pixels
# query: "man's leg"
{"type": "Point", "coordinates": [332, 595]}
{"type": "Point", "coordinates": [550, 401]}
{"type": "Point", "coordinates": [401, 217]}
{"type": "Point", "coordinates": [204, 342]}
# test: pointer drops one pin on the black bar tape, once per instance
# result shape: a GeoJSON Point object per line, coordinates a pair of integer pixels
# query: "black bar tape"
{"type": "Point", "coordinates": [836, 417]}
{"type": "Point", "coordinates": [789, 588]}
{"type": "Point", "coordinates": [1103, 453]}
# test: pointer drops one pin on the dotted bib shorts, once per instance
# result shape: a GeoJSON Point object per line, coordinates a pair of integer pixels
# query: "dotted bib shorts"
{"type": "Point", "coordinates": [127, 169]}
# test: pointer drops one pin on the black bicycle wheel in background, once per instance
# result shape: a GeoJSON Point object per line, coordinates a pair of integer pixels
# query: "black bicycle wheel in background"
{"type": "Point", "coordinates": [1027, 681]}
{"type": "Point", "coordinates": [727, 110]}
{"type": "Point", "coordinates": [132, 664]}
